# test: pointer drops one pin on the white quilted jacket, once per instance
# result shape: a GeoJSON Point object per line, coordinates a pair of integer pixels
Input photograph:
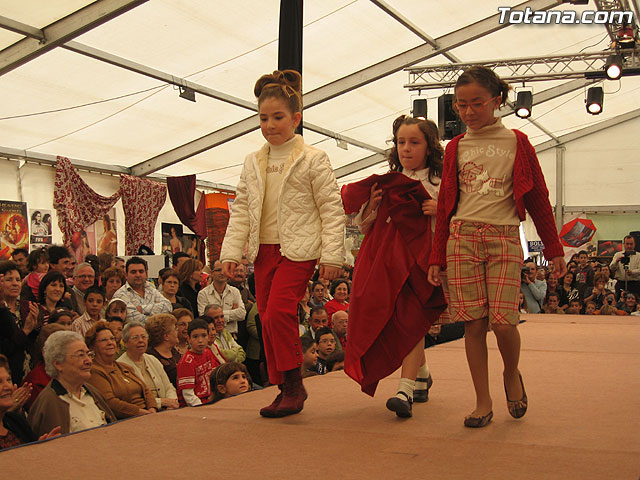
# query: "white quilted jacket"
{"type": "Point", "coordinates": [311, 218]}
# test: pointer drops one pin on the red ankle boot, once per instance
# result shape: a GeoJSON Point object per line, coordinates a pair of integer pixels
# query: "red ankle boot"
{"type": "Point", "coordinates": [293, 393]}
{"type": "Point", "coordinates": [271, 411]}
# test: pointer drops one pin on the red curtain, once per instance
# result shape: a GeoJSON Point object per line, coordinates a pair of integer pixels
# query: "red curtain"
{"type": "Point", "coordinates": [76, 204]}
{"type": "Point", "coordinates": [142, 200]}
{"type": "Point", "coordinates": [181, 192]}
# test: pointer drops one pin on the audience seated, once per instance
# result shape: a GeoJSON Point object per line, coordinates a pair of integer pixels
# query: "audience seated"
{"type": "Point", "coordinates": [83, 278]}
{"type": "Point", "coordinates": [51, 295]}
{"type": "Point", "coordinates": [596, 293]}
{"type": "Point", "coordinates": [138, 294]}
{"type": "Point", "coordinates": [534, 290]}
{"type": "Point", "coordinates": [326, 344]}
{"type": "Point", "coordinates": [94, 302]}
{"type": "Point", "coordinates": [584, 274]}
{"type": "Point", "coordinates": [340, 323]}
{"type": "Point", "coordinates": [335, 361]}
{"type": "Point", "coordinates": [575, 307]}
{"type": "Point", "coordinates": [124, 391]}
{"type": "Point", "coordinates": [147, 367]}
{"type": "Point", "coordinates": [318, 318]}
{"type": "Point", "coordinates": [567, 292]}
{"type": "Point", "coordinates": [229, 380]}
{"type": "Point", "coordinates": [62, 317]}
{"type": "Point", "coordinates": [170, 287]}
{"type": "Point", "coordinates": [195, 366]}
{"type": "Point", "coordinates": [239, 281]}
{"type": "Point", "coordinates": [627, 303]}
{"type": "Point", "coordinates": [309, 357]}
{"type": "Point", "coordinates": [112, 280]}
{"type": "Point", "coordinates": [14, 429]}
{"type": "Point", "coordinates": [228, 297]}
{"type": "Point", "coordinates": [340, 290]}
{"type": "Point", "coordinates": [317, 298]}
{"type": "Point", "coordinates": [37, 378]}
{"type": "Point", "coordinates": [184, 317]}
{"type": "Point", "coordinates": [608, 305]}
{"type": "Point", "coordinates": [552, 304]}
{"type": "Point", "coordinates": [522, 303]}
{"type": "Point", "coordinates": [190, 276]}
{"type": "Point", "coordinates": [163, 338]}
{"type": "Point", "coordinates": [590, 308]}
{"type": "Point", "coordinates": [69, 401]}
{"type": "Point", "coordinates": [38, 266]}
{"type": "Point", "coordinates": [230, 350]}
{"type": "Point", "coordinates": [19, 257]}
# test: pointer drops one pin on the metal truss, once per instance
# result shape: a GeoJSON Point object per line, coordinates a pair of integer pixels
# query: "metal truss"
{"type": "Point", "coordinates": [615, 6]}
{"type": "Point", "coordinates": [518, 70]}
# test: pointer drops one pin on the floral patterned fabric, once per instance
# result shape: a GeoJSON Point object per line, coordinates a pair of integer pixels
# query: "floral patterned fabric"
{"type": "Point", "coordinates": [76, 204]}
{"type": "Point", "coordinates": [142, 200]}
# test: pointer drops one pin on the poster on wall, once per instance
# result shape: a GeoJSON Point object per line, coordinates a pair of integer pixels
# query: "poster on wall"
{"type": "Point", "coordinates": [172, 238]}
{"type": "Point", "coordinates": [106, 234]}
{"type": "Point", "coordinates": [41, 235]}
{"type": "Point", "coordinates": [14, 227]}
{"type": "Point", "coordinates": [606, 248]}
{"type": "Point", "coordinates": [99, 237]}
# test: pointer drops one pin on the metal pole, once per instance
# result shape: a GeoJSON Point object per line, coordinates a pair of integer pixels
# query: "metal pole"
{"type": "Point", "coordinates": [560, 151]}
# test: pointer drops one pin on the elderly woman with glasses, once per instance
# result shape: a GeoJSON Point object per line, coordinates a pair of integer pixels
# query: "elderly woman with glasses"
{"type": "Point", "coordinates": [68, 400]}
{"type": "Point", "coordinates": [125, 392]}
{"type": "Point", "coordinates": [147, 367]}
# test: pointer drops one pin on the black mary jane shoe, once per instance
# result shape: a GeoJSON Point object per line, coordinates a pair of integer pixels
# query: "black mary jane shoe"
{"type": "Point", "coordinates": [422, 396]}
{"type": "Point", "coordinates": [402, 408]}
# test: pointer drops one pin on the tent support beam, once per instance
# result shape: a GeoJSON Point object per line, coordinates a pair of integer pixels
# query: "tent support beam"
{"type": "Point", "coordinates": [65, 29]}
{"type": "Point", "coordinates": [21, 28]}
{"type": "Point", "coordinates": [560, 153]}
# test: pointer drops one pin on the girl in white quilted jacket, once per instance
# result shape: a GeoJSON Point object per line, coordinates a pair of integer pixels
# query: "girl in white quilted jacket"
{"type": "Point", "coordinates": [288, 209]}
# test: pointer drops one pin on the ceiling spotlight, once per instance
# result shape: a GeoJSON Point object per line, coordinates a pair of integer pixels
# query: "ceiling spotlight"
{"type": "Point", "coordinates": [524, 103]}
{"type": "Point", "coordinates": [595, 98]}
{"type": "Point", "coordinates": [187, 93]}
{"type": "Point", "coordinates": [613, 67]}
{"type": "Point", "coordinates": [420, 108]}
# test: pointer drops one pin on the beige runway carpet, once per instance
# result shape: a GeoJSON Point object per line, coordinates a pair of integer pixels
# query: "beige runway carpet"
{"type": "Point", "coordinates": [582, 376]}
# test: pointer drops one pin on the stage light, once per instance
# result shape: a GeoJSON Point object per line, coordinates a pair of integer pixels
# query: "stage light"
{"type": "Point", "coordinates": [187, 94]}
{"type": "Point", "coordinates": [420, 108]}
{"type": "Point", "coordinates": [524, 103]}
{"type": "Point", "coordinates": [613, 67]}
{"type": "Point", "coordinates": [626, 37]}
{"type": "Point", "coordinates": [595, 99]}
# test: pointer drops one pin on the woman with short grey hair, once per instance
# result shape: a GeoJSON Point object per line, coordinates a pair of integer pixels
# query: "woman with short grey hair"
{"type": "Point", "coordinates": [147, 367]}
{"type": "Point", "coordinates": [68, 400]}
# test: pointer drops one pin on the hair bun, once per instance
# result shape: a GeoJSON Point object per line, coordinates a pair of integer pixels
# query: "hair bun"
{"type": "Point", "coordinates": [289, 78]}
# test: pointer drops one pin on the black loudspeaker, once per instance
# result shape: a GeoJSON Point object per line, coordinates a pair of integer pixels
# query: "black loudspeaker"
{"type": "Point", "coordinates": [449, 124]}
{"type": "Point", "coordinates": [420, 108]}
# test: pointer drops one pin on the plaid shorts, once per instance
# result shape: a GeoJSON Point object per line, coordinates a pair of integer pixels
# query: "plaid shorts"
{"type": "Point", "coordinates": [483, 269]}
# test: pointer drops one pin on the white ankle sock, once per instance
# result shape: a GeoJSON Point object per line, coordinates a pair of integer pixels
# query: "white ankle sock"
{"type": "Point", "coordinates": [423, 372]}
{"type": "Point", "coordinates": [406, 386]}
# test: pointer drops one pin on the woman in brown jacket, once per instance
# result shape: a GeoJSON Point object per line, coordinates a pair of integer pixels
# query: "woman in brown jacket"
{"type": "Point", "coordinates": [124, 391]}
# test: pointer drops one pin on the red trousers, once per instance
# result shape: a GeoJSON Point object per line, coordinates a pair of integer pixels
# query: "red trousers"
{"type": "Point", "coordinates": [280, 285]}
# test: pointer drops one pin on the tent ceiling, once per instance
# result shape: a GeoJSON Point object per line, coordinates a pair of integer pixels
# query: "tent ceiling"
{"type": "Point", "coordinates": [133, 118]}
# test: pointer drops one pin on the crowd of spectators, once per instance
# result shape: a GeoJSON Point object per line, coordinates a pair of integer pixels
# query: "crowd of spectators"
{"type": "Point", "coordinates": [588, 288]}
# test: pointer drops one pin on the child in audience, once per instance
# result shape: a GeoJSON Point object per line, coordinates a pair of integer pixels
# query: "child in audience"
{"type": "Point", "coordinates": [116, 325]}
{"type": "Point", "coordinates": [590, 308]}
{"type": "Point", "coordinates": [309, 357]}
{"type": "Point", "coordinates": [229, 380]}
{"type": "Point", "coordinates": [62, 317]}
{"type": "Point", "coordinates": [335, 361]}
{"type": "Point", "coordinates": [195, 367]}
{"type": "Point", "coordinates": [116, 308]}
{"type": "Point", "coordinates": [491, 177]}
{"type": "Point", "coordinates": [38, 265]}
{"type": "Point", "coordinates": [326, 346]}
{"type": "Point", "coordinates": [184, 316]}
{"type": "Point", "coordinates": [552, 304]}
{"type": "Point", "coordinates": [93, 301]}
{"type": "Point", "coordinates": [522, 303]}
{"type": "Point", "coordinates": [396, 214]}
{"type": "Point", "coordinates": [608, 304]}
{"type": "Point", "coordinates": [284, 186]}
{"type": "Point", "coordinates": [575, 307]}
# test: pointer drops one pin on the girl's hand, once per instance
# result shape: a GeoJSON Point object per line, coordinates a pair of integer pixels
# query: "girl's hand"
{"type": "Point", "coordinates": [433, 275]}
{"type": "Point", "coordinates": [229, 269]}
{"type": "Point", "coordinates": [375, 197]}
{"type": "Point", "coordinates": [429, 207]}
{"type": "Point", "coordinates": [329, 273]}
{"type": "Point", "coordinates": [32, 319]}
{"type": "Point", "coordinates": [55, 432]}
{"type": "Point", "coordinates": [559, 266]}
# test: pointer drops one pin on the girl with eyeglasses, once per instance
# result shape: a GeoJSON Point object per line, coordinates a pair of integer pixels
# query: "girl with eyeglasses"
{"type": "Point", "coordinates": [491, 175]}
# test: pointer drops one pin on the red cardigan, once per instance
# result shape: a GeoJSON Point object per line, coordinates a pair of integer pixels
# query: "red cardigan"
{"type": "Point", "coordinates": [529, 190]}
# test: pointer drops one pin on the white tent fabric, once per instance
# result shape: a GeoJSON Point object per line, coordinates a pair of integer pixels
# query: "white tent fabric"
{"type": "Point", "coordinates": [112, 116]}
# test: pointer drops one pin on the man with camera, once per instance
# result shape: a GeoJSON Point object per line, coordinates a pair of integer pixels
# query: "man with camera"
{"type": "Point", "coordinates": [534, 290]}
{"type": "Point", "coordinates": [625, 268]}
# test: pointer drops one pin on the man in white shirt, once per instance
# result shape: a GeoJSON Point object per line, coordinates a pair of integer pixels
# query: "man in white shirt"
{"type": "Point", "coordinates": [141, 298]}
{"type": "Point", "coordinates": [625, 267]}
{"type": "Point", "coordinates": [228, 297]}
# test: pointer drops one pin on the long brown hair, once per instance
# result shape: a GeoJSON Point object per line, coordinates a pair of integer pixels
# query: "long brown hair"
{"type": "Point", "coordinates": [430, 131]}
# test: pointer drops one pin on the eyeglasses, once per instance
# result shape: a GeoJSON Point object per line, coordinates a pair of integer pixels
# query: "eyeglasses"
{"type": "Point", "coordinates": [326, 340]}
{"type": "Point", "coordinates": [135, 338]}
{"type": "Point", "coordinates": [86, 276]}
{"type": "Point", "coordinates": [82, 355]}
{"type": "Point", "coordinates": [475, 106]}
{"type": "Point", "coordinates": [105, 340]}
